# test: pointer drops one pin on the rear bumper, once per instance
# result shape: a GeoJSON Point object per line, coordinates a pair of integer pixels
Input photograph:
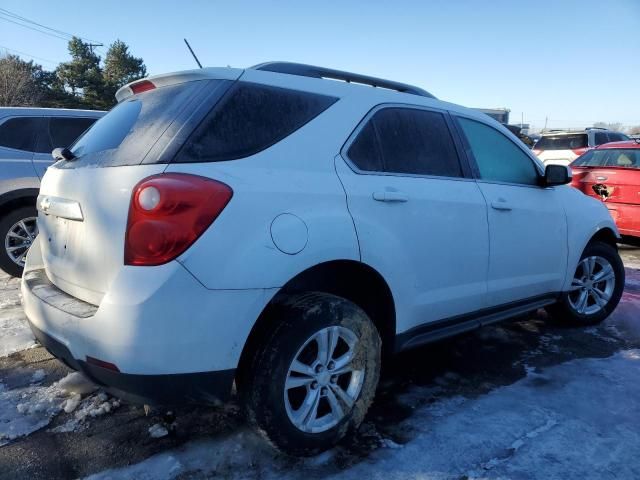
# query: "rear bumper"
{"type": "Point", "coordinates": [204, 387]}
{"type": "Point", "coordinates": [626, 217]}
{"type": "Point", "coordinates": [172, 340]}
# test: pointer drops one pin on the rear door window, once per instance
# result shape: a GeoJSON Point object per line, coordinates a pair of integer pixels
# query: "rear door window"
{"type": "Point", "coordinates": [562, 142]}
{"type": "Point", "coordinates": [62, 132]}
{"type": "Point", "coordinates": [408, 141]}
{"type": "Point", "coordinates": [497, 157]}
{"type": "Point", "coordinates": [20, 133]}
{"type": "Point", "coordinates": [249, 119]}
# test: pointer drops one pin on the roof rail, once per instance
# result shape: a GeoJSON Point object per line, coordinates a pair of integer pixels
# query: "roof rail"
{"type": "Point", "coordinates": [303, 70]}
{"type": "Point", "coordinates": [596, 128]}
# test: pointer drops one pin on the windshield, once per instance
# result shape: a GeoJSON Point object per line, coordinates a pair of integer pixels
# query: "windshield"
{"type": "Point", "coordinates": [622, 158]}
{"type": "Point", "coordinates": [562, 142]}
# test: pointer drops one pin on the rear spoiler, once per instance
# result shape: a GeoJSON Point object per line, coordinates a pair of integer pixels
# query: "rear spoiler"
{"type": "Point", "coordinates": [156, 81]}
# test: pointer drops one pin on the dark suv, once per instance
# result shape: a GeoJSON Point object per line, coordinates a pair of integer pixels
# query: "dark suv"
{"type": "Point", "coordinates": [27, 137]}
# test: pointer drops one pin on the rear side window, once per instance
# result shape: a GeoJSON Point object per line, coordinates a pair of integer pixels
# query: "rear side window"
{"type": "Point", "coordinates": [126, 134]}
{"type": "Point", "coordinates": [365, 151]}
{"type": "Point", "coordinates": [621, 158]}
{"type": "Point", "coordinates": [563, 142]}
{"type": "Point", "coordinates": [20, 133]}
{"type": "Point", "coordinates": [409, 140]}
{"type": "Point", "coordinates": [62, 132]}
{"type": "Point", "coordinates": [249, 119]}
{"type": "Point", "coordinates": [497, 157]}
{"type": "Point", "coordinates": [601, 138]}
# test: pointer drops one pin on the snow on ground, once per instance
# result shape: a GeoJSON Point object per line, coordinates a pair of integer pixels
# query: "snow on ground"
{"type": "Point", "coordinates": [15, 334]}
{"type": "Point", "coordinates": [31, 406]}
{"type": "Point", "coordinates": [577, 420]}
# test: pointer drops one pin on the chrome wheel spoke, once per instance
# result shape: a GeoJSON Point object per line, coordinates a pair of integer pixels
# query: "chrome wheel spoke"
{"type": "Point", "coordinates": [576, 284]}
{"type": "Point", "coordinates": [336, 408]}
{"type": "Point", "coordinates": [296, 382]}
{"type": "Point", "coordinates": [299, 367]}
{"type": "Point", "coordinates": [342, 395]}
{"type": "Point", "coordinates": [19, 239]}
{"type": "Point", "coordinates": [582, 301]}
{"type": "Point", "coordinates": [308, 412]}
{"type": "Point", "coordinates": [605, 274]}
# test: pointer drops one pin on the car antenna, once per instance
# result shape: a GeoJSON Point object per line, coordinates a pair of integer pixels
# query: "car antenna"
{"type": "Point", "coordinates": [194, 55]}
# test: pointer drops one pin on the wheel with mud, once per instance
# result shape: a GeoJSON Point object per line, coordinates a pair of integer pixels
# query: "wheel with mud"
{"type": "Point", "coordinates": [596, 287]}
{"type": "Point", "coordinates": [314, 377]}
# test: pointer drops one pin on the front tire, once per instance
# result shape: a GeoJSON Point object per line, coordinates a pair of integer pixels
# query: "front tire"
{"type": "Point", "coordinates": [596, 287]}
{"type": "Point", "coordinates": [315, 376]}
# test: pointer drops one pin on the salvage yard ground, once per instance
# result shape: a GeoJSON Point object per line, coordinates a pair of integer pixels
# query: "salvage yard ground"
{"type": "Point", "coordinates": [527, 399]}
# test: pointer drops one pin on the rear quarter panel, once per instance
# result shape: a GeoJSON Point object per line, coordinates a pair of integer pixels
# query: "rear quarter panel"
{"type": "Point", "coordinates": [296, 176]}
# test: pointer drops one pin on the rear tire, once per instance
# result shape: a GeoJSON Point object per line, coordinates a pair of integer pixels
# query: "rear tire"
{"type": "Point", "coordinates": [315, 375]}
{"type": "Point", "coordinates": [10, 242]}
{"type": "Point", "coordinates": [596, 287]}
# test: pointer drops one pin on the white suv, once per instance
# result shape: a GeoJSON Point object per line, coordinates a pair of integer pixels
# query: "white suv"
{"type": "Point", "coordinates": [283, 231]}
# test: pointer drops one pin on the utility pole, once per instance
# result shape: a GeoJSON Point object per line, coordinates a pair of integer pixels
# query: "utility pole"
{"type": "Point", "coordinates": [545, 122]}
{"type": "Point", "coordinates": [91, 45]}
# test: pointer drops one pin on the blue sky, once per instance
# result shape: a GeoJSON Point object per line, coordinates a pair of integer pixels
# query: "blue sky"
{"type": "Point", "coordinates": [575, 62]}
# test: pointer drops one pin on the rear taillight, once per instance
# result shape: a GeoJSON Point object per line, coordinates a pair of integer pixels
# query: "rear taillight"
{"type": "Point", "coordinates": [168, 212]}
{"type": "Point", "coordinates": [141, 86]}
{"type": "Point", "coordinates": [579, 151]}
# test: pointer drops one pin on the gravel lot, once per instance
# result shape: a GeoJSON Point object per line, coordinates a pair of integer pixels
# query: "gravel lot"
{"type": "Point", "coordinates": [466, 407]}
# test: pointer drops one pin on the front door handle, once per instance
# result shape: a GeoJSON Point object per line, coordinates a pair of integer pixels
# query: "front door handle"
{"type": "Point", "coordinates": [390, 196]}
{"type": "Point", "coordinates": [501, 204]}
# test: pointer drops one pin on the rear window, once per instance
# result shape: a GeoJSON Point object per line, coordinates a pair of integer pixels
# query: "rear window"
{"type": "Point", "coordinates": [125, 135]}
{"type": "Point", "coordinates": [249, 119]}
{"type": "Point", "coordinates": [563, 142]}
{"type": "Point", "coordinates": [622, 158]}
{"type": "Point", "coordinates": [19, 133]}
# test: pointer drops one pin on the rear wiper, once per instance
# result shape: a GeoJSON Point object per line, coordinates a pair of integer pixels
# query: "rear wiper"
{"type": "Point", "coordinates": [62, 154]}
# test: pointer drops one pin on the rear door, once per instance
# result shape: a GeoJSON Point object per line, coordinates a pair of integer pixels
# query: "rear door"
{"type": "Point", "coordinates": [57, 132]}
{"type": "Point", "coordinates": [421, 221]}
{"type": "Point", "coordinates": [527, 225]}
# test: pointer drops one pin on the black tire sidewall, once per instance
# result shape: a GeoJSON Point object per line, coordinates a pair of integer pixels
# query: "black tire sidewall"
{"type": "Point", "coordinates": [6, 222]}
{"type": "Point", "coordinates": [609, 253]}
{"type": "Point", "coordinates": [300, 318]}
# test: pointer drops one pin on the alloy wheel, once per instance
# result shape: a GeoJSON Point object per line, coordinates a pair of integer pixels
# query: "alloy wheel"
{"type": "Point", "coordinates": [322, 383]}
{"type": "Point", "coordinates": [592, 286]}
{"type": "Point", "coordinates": [19, 238]}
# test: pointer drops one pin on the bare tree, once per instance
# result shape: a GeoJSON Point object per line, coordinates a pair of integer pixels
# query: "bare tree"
{"type": "Point", "coordinates": [615, 126]}
{"type": "Point", "coordinates": [17, 85]}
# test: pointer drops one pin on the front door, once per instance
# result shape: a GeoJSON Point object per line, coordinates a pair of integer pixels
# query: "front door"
{"type": "Point", "coordinates": [527, 224]}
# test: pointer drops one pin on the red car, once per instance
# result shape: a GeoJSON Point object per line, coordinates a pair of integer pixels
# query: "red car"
{"type": "Point", "coordinates": [611, 173]}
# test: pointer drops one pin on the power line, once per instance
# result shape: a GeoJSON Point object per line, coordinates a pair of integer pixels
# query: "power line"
{"type": "Point", "coordinates": [14, 18]}
{"type": "Point", "coordinates": [28, 55]}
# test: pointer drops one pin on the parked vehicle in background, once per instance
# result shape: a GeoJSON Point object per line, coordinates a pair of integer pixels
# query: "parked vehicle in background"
{"type": "Point", "coordinates": [27, 137]}
{"type": "Point", "coordinates": [562, 148]}
{"type": "Point", "coordinates": [611, 173]}
{"type": "Point", "coordinates": [278, 230]}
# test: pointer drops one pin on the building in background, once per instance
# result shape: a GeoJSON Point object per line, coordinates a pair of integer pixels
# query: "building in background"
{"type": "Point", "coordinates": [499, 114]}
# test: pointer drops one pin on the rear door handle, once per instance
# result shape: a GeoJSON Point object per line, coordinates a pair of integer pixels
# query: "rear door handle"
{"type": "Point", "coordinates": [501, 204]}
{"type": "Point", "coordinates": [390, 196]}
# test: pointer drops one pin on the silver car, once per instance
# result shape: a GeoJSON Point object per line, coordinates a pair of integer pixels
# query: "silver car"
{"type": "Point", "coordinates": [27, 137]}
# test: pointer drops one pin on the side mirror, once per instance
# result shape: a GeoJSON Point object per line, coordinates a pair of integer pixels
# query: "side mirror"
{"type": "Point", "coordinates": [62, 154]}
{"type": "Point", "coordinates": [556, 175]}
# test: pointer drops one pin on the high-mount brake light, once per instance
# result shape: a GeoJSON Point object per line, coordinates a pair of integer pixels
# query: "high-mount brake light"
{"type": "Point", "coordinates": [167, 213]}
{"type": "Point", "coordinates": [142, 86]}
